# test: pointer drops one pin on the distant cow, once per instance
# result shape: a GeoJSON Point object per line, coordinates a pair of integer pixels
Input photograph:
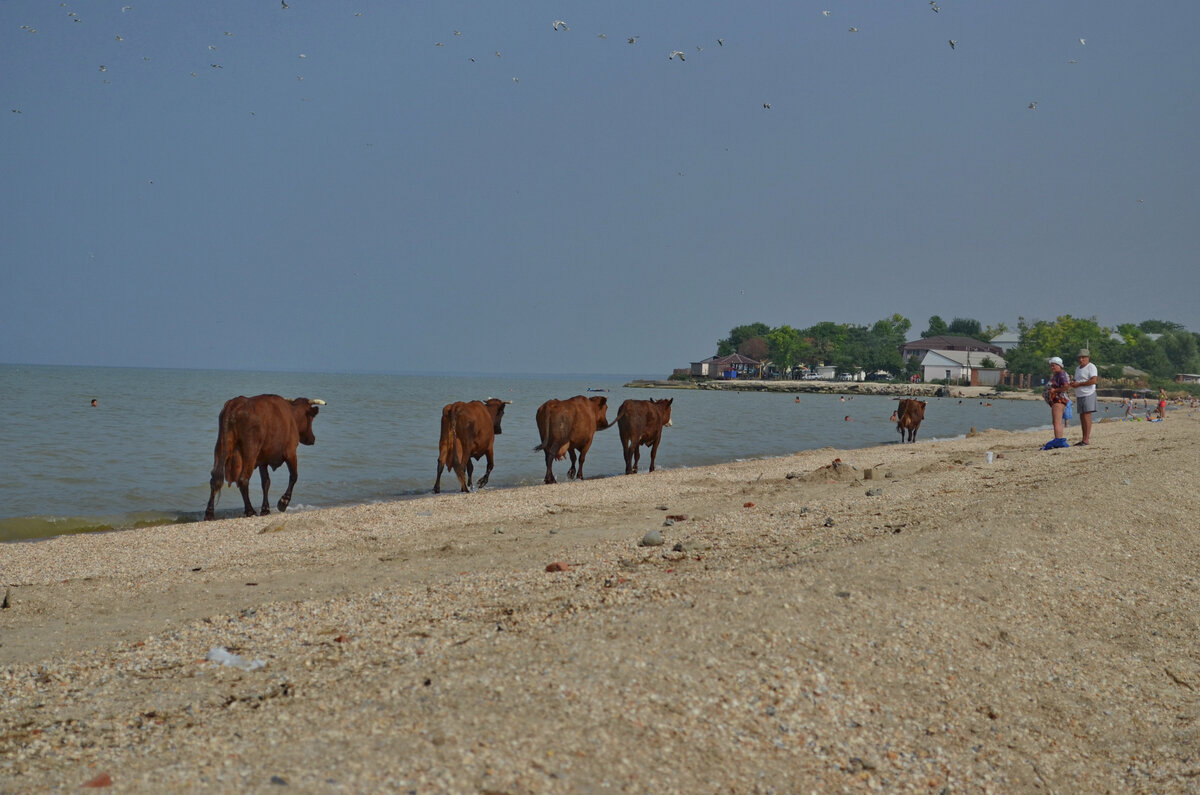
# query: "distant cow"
{"type": "Point", "coordinates": [908, 418]}
{"type": "Point", "coordinates": [259, 432]}
{"type": "Point", "coordinates": [640, 422]}
{"type": "Point", "coordinates": [567, 427]}
{"type": "Point", "coordinates": [468, 431]}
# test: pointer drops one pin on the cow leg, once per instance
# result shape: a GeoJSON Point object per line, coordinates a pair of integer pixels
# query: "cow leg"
{"type": "Point", "coordinates": [582, 454]}
{"type": "Point", "coordinates": [483, 480]}
{"type": "Point", "coordinates": [470, 470]}
{"type": "Point", "coordinates": [654, 451]}
{"type": "Point", "coordinates": [571, 471]}
{"type": "Point", "coordinates": [286, 499]}
{"type": "Point", "coordinates": [549, 467]}
{"type": "Point", "coordinates": [437, 483]}
{"type": "Point", "coordinates": [266, 484]}
{"type": "Point", "coordinates": [243, 484]}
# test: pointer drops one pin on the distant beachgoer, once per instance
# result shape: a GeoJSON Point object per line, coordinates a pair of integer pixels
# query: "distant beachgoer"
{"type": "Point", "coordinates": [1055, 394]}
{"type": "Point", "coordinates": [94, 403]}
{"type": "Point", "coordinates": [1084, 384]}
{"type": "Point", "coordinates": [848, 418]}
{"type": "Point", "coordinates": [797, 398]}
{"type": "Point", "coordinates": [1162, 404]}
{"type": "Point", "coordinates": [1128, 403]}
{"type": "Point", "coordinates": [894, 418]}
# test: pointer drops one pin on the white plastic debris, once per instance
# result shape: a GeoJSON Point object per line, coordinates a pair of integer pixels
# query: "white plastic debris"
{"type": "Point", "coordinates": [221, 656]}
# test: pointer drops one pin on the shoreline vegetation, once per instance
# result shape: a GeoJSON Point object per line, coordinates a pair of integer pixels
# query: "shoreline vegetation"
{"type": "Point", "coordinates": [901, 617]}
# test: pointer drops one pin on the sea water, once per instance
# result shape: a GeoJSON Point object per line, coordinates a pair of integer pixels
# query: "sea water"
{"type": "Point", "coordinates": [143, 454]}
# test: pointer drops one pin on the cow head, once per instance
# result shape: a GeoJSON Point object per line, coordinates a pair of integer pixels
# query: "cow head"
{"type": "Point", "coordinates": [496, 407]}
{"type": "Point", "coordinates": [664, 407]}
{"type": "Point", "coordinates": [600, 407]}
{"type": "Point", "coordinates": [305, 411]}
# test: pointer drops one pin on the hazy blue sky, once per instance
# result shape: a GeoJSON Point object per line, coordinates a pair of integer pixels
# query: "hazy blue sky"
{"type": "Point", "coordinates": [460, 187]}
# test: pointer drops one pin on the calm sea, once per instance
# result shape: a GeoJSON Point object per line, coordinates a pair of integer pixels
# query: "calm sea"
{"type": "Point", "coordinates": [143, 455]}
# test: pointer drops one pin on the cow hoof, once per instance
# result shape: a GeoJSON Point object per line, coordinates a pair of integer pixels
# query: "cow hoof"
{"type": "Point", "coordinates": [437, 489]}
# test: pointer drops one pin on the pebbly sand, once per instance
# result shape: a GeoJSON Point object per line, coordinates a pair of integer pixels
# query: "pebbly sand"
{"type": "Point", "coordinates": [1025, 625]}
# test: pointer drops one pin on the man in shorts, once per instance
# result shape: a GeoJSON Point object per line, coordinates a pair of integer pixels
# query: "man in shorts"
{"type": "Point", "coordinates": [1084, 385]}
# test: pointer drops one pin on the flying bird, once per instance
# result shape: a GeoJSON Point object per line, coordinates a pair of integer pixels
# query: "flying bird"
{"type": "Point", "coordinates": [767, 105]}
{"type": "Point", "coordinates": [1083, 41]}
{"type": "Point", "coordinates": [721, 42]}
{"type": "Point", "coordinates": [825, 13]}
{"type": "Point", "coordinates": [560, 25]}
{"type": "Point", "coordinates": [933, 6]}
{"type": "Point", "coordinates": [854, 30]}
{"type": "Point", "coordinates": [633, 39]}
{"type": "Point", "coordinates": [952, 43]}
{"type": "Point", "coordinates": [674, 54]}
{"type": "Point", "coordinates": [1033, 106]}
{"type": "Point", "coordinates": [284, 3]}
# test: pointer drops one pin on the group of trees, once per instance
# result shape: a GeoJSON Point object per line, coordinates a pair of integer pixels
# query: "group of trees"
{"type": "Point", "coordinates": [843, 345]}
{"type": "Point", "coordinates": [1159, 347]}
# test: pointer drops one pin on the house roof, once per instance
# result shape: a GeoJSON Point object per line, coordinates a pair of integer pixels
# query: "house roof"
{"type": "Point", "coordinates": [972, 359]}
{"type": "Point", "coordinates": [950, 343]}
{"type": "Point", "coordinates": [737, 358]}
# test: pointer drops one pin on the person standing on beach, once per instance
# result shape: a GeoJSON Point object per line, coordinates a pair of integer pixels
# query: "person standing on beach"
{"type": "Point", "coordinates": [1084, 385]}
{"type": "Point", "coordinates": [1055, 394]}
{"type": "Point", "coordinates": [1162, 404]}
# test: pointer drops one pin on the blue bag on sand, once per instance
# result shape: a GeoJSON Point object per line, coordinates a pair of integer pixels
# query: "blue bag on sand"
{"type": "Point", "coordinates": [1067, 411]}
{"type": "Point", "coordinates": [1055, 443]}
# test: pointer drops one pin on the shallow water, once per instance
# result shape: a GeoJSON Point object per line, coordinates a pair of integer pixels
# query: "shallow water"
{"type": "Point", "coordinates": [143, 455]}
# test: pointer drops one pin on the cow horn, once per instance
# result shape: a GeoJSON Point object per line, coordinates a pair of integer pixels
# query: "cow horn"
{"type": "Point", "coordinates": [315, 402]}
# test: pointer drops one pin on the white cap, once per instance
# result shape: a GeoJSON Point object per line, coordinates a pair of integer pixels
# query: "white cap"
{"type": "Point", "coordinates": [1055, 360]}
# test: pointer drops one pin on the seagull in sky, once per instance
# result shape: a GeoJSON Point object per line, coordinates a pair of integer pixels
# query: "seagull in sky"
{"type": "Point", "coordinates": [560, 25]}
{"type": "Point", "coordinates": [952, 43]}
{"type": "Point", "coordinates": [1083, 41]}
{"type": "Point", "coordinates": [284, 3]}
{"type": "Point", "coordinates": [633, 39]}
{"type": "Point", "coordinates": [825, 13]}
{"type": "Point", "coordinates": [1033, 105]}
{"type": "Point", "coordinates": [933, 6]}
{"type": "Point", "coordinates": [674, 54]}
{"type": "Point", "coordinates": [767, 105]}
{"type": "Point", "coordinates": [721, 42]}
{"type": "Point", "coordinates": [854, 30]}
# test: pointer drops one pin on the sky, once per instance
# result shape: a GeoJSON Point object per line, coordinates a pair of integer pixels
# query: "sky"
{"type": "Point", "coordinates": [467, 187]}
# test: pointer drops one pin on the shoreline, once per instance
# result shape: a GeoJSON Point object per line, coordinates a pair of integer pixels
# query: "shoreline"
{"type": "Point", "coordinates": [961, 627]}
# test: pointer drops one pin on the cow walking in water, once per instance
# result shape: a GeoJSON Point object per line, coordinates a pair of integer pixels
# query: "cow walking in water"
{"type": "Point", "coordinates": [468, 433]}
{"type": "Point", "coordinates": [908, 418]}
{"type": "Point", "coordinates": [640, 422]}
{"type": "Point", "coordinates": [256, 433]}
{"type": "Point", "coordinates": [567, 427]}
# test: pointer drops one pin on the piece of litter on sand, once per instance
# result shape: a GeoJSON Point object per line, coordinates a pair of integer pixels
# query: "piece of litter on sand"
{"type": "Point", "coordinates": [222, 656]}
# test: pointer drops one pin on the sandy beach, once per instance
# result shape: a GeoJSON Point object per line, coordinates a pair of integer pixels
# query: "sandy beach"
{"type": "Point", "coordinates": [897, 618]}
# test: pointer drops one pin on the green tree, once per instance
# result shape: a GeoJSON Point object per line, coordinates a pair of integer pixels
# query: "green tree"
{"type": "Point", "coordinates": [740, 334]}
{"type": "Point", "coordinates": [991, 332]}
{"type": "Point", "coordinates": [787, 348]}
{"type": "Point", "coordinates": [966, 327]}
{"type": "Point", "coordinates": [937, 327]}
{"type": "Point", "coordinates": [1159, 326]}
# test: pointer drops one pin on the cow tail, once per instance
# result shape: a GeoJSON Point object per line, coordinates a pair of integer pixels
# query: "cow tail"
{"type": "Point", "coordinates": [452, 442]}
{"type": "Point", "coordinates": [221, 453]}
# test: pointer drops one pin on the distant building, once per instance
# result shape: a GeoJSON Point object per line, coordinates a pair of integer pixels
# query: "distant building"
{"type": "Point", "coordinates": [962, 366]}
{"type": "Point", "coordinates": [1006, 341]}
{"type": "Point", "coordinates": [947, 343]}
{"type": "Point", "coordinates": [734, 365]}
{"type": "Point", "coordinates": [1187, 378]}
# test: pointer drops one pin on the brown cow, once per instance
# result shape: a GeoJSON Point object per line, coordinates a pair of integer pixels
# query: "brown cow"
{"type": "Point", "coordinates": [468, 431]}
{"type": "Point", "coordinates": [259, 432]}
{"type": "Point", "coordinates": [567, 427]}
{"type": "Point", "coordinates": [640, 422]}
{"type": "Point", "coordinates": [909, 414]}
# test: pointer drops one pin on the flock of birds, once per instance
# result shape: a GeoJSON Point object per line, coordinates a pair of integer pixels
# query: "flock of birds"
{"type": "Point", "coordinates": [557, 25]}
